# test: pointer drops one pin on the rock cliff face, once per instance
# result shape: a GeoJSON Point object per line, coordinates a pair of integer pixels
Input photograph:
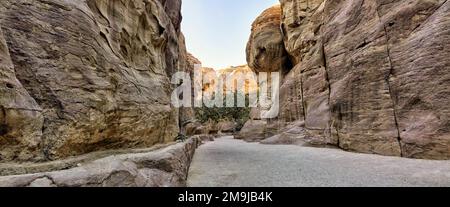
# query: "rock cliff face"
{"type": "Point", "coordinates": [187, 114]}
{"type": "Point", "coordinates": [369, 76]}
{"type": "Point", "coordinates": [265, 49]}
{"type": "Point", "coordinates": [87, 75]}
{"type": "Point", "coordinates": [21, 117]}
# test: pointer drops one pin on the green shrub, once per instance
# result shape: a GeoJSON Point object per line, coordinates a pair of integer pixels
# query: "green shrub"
{"type": "Point", "coordinates": [216, 114]}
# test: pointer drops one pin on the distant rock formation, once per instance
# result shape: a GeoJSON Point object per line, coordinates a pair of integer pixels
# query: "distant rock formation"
{"type": "Point", "coordinates": [367, 76]}
{"type": "Point", "coordinates": [83, 76]}
{"type": "Point", "coordinates": [236, 74]}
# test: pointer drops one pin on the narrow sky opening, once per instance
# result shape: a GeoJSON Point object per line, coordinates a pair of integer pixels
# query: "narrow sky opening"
{"type": "Point", "coordinates": [217, 31]}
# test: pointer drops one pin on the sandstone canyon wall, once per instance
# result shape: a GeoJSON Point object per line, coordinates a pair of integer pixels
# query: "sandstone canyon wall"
{"type": "Point", "coordinates": [367, 76]}
{"type": "Point", "coordinates": [265, 49]}
{"type": "Point", "coordinates": [87, 75]}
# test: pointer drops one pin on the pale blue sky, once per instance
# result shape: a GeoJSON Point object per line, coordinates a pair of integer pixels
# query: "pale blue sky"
{"type": "Point", "coordinates": [217, 31]}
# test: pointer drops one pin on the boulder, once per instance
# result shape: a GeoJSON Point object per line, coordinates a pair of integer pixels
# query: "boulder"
{"type": "Point", "coordinates": [226, 127]}
{"type": "Point", "coordinates": [191, 129]}
{"type": "Point", "coordinates": [253, 130]}
{"type": "Point", "coordinates": [295, 134]}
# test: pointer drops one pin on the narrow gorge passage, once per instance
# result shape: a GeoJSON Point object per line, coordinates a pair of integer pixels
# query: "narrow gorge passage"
{"type": "Point", "coordinates": [235, 163]}
{"type": "Point", "coordinates": [116, 93]}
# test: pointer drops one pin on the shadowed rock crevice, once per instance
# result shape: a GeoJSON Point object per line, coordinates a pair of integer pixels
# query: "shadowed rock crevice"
{"type": "Point", "coordinates": [388, 82]}
{"type": "Point", "coordinates": [302, 98]}
{"type": "Point", "coordinates": [327, 77]}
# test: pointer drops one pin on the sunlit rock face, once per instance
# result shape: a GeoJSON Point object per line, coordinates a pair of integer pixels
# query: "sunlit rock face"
{"type": "Point", "coordinates": [265, 49]}
{"type": "Point", "coordinates": [242, 80]}
{"type": "Point", "coordinates": [81, 76]}
{"type": "Point", "coordinates": [370, 76]}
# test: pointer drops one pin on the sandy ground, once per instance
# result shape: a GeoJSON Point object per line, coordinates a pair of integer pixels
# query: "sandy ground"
{"type": "Point", "coordinates": [233, 163]}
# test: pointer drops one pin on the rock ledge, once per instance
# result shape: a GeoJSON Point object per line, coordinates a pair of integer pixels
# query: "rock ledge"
{"type": "Point", "coordinates": [166, 167]}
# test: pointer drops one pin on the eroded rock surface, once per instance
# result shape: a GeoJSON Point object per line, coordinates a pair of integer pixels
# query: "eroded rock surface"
{"type": "Point", "coordinates": [369, 76]}
{"type": "Point", "coordinates": [257, 130]}
{"type": "Point", "coordinates": [265, 49]}
{"type": "Point", "coordinates": [81, 76]}
{"type": "Point", "coordinates": [167, 167]}
{"type": "Point", "coordinates": [21, 117]}
{"type": "Point", "coordinates": [188, 121]}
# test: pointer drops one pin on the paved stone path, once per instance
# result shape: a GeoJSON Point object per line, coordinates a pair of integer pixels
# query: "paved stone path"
{"type": "Point", "coordinates": [227, 162]}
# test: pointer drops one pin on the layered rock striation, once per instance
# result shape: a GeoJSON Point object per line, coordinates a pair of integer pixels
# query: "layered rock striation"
{"type": "Point", "coordinates": [82, 76]}
{"type": "Point", "coordinates": [367, 76]}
